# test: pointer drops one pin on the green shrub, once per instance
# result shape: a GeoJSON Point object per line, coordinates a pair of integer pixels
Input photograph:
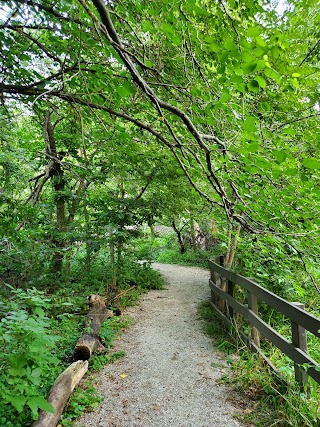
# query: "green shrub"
{"type": "Point", "coordinates": [277, 402]}
{"type": "Point", "coordinates": [85, 397]}
{"type": "Point", "coordinates": [26, 357]}
{"type": "Point", "coordinates": [139, 274]}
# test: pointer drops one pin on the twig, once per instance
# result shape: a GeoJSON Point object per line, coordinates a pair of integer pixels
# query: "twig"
{"type": "Point", "coordinates": [309, 53]}
{"type": "Point", "coordinates": [122, 293]}
{"type": "Point", "coordinates": [305, 267]}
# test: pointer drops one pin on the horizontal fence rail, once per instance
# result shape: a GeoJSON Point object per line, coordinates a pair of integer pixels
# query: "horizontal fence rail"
{"type": "Point", "coordinates": [222, 284]}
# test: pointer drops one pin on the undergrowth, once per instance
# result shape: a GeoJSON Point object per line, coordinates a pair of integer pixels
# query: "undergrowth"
{"type": "Point", "coordinates": [39, 329]}
{"type": "Point", "coordinates": [164, 249]}
{"type": "Point", "coordinates": [273, 400]}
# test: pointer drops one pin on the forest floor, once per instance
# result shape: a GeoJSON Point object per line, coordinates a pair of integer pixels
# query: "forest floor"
{"type": "Point", "coordinates": [169, 376]}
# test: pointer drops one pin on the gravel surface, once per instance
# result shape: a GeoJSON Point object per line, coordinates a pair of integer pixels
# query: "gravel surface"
{"type": "Point", "coordinates": [168, 376]}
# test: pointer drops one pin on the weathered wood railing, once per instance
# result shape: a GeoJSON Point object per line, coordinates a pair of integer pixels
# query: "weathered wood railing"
{"type": "Point", "coordinates": [222, 284]}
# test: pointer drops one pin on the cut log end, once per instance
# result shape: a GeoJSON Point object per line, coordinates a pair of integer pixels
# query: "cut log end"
{"type": "Point", "coordinates": [86, 345]}
{"type": "Point", "coordinates": [95, 300]}
{"type": "Point", "coordinates": [89, 342]}
{"type": "Point", "coordinates": [81, 353]}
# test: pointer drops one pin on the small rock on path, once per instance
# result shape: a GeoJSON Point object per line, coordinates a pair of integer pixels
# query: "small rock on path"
{"type": "Point", "coordinates": [166, 378]}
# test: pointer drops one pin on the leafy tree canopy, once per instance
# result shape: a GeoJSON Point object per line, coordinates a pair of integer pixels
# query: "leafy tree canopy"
{"type": "Point", "coordinates": [230, 88]}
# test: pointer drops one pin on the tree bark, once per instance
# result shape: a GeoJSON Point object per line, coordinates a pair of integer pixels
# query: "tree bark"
{"type": "Point", "coordinates": [230, 256]}
{"type": "Point", "coordinates": [60, 393]}
{"type": "Point", "coordinates": [179, 236]}
{"type": "Point", "coordinates": [90, 341]}
{"type": "Point", "coordinates": [228, 260]}
{"type": "Point", "coordinates": [193, 236]}
{"type": "Point", "coordinates": [58, 183]}
{"type": "Point", "coordinates": [88, 239]}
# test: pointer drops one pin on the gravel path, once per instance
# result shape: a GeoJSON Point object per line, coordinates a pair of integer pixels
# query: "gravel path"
{"type": "Point", "coordinates": [166, 378]}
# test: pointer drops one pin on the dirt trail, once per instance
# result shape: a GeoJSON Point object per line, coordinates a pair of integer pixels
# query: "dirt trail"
{"type": "Point", "coordinates": [169, 378]}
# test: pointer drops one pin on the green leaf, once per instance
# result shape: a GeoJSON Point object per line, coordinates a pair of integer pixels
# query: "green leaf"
{"type": "Point", "coordinates": [258, 51]}
{"type": "Point", "coordinates": [253, 147]}
{"type": "Point", "coordinates": [39, 311]}
{"type": "Point", "coordinates": [250, 124]}
{"type": "Point", "coordinates": [229, 44]}
{"type": "Point", "coordinates": [290, 172]}
{"type": "Point", "coordinates": [261, 81]}
{"type": "Point", "coordinates": [146, 26]}
{"type": "Point", "coordinates": [195, 91]}
{"type": "Point", "coordinates": [239, 71]}
{"type": "Point", "coordinates": [167, 29]}
{"type": "Point", "coordinates": [247, 57]}
{"type": "Point", "coordinates": [280, 156]}
{"type": "Point", "coordinates": [289, 131]}
{"type": "Point", "coordinates": [179, 171]}
{"type": "Point", "coordinates": [253, 31]}
{"type": "Point", "coordinates": [125, 89]}
{"type": "Point", "coordinates": [272, 74]}
{"type": "Point", "coordinates": [263, 163]}
{"type": "Point", "coordinates": [241, 87]}
{"type": "Point", "coordinates": [214, 47]}
{"type": "Point", "coordinates": [36, 372]}
{"type": "Point", "coordinates": [311, 163]}
{"type": "Point", "coordinates": [249, 67]}
{"type": "Point", "coordinates": [210, 39]}
{"type": "Point", "coordinates": [17, 402]}
{"type": "Point", "coordinates": [176, 40]}
{"type": "Point", "coordinates": [17, 361]}
{"type": "Point", "coordinates": [225, 97]}
{"type": "Point", "coordinates": [264, 106]}
{"type": "Point", "coordinates": [260, 41]}
{"type": "Point", "coordinates": [37, 402]}
{"type": "Point", "coordinates": [295, 83]}
{"type": "Point", "coordinates": [254, 86]}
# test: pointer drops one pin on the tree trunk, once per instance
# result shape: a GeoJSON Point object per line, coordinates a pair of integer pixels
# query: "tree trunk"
{"type": "Point", "coordinates": [60, 393]}
{"type": "Point", "coordinates": [232, 250]}
{"type": "Point", "coordinates": [58, 183]}
{"type": "Point", "coordinates": [82, 186]}
{"type": "Point", "coordinates": [67, 267]}
{"type": "Point", "coordinates": [120, 246]}
{"type": "Point", "coordinates": [88, 257]}
{"type": "Point", "coordinates": [112, 255]}
{"type": "Point", "coordinates": [193, 236]}
{"type": "Point", "coordinates": [88, 237]}
{"type": "Point", "coordinates": [179, 236]}
{"type": "Point", "coordinates": [58, 255]}
{"type": "Point", "coordinates": [90, 342]}
{"type": "Point", "coordinates": [153, 233]}
{"type": "Point", "coordinates": [228, 260]}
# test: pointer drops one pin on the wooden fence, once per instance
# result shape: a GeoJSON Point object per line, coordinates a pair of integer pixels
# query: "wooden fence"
{"type": "Point", "coordinates": [222, 284]}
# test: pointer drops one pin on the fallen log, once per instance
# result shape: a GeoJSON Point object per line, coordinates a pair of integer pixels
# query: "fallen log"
{"type": "Point", "coordinates": [60, 393]}
{"type": "Point", "coordinates": [90, 341]}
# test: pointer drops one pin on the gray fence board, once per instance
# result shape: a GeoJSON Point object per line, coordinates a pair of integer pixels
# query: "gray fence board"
{"type": "Point", "coordinates": [294, 353]}
{"type": "Point", "coordinates": [309, 322]}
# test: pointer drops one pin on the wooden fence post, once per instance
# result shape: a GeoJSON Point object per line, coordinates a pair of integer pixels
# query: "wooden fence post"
{"type": "Point", "coordinates": [253, 305]}
{"type": "Point", "coordinates": [223, 286]}
{"type": "Point", "coordinates": [221, 260]}
{"type": "Point", "coordinates": [299, 339]}
{"type": "Point", "coordinates": [214, 277]}
{"type": "Point", "coordinates": [230, 291]}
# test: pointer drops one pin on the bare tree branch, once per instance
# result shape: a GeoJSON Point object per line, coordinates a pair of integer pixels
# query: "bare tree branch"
{"type": "Point", "coordinates": [309, 53]}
